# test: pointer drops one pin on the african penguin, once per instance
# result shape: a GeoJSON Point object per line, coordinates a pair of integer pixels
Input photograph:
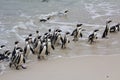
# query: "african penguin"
{"type": "Point", "coordinates": [105, 33]}
{"type": "Point", "coordinates": [43, 51]}
{"type": "Point", "coordinates": [27, 48]}
{"type": "Point", "coordinates": [4, 55]}
{"type": "Point", "coordinates": [18, 59]}
{"type": "Point", "coordinates": [37, 45]}
{"type": "Point", "coordinates": [65, 40]}
{"type": "Point", "coordinates": [77, 32]}
{"type": "Point", "coordinates": [49, 46]}
{"type": "Point", "coordinates": [115, 28]}
{"type": "Point", "coordinates": [93, 36]}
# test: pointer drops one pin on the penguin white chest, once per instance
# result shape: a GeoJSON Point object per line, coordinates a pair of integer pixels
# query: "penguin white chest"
{"type": "Point", "coordinates": [28, 49]}
{"type": "Point", "coordinates": [43, 51]}
{"type": "Point", "coordinates": [21, 59]}
{"type": "Point", "coordinates": [49, 46]}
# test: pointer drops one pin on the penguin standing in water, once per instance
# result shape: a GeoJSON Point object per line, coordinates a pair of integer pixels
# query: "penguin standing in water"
{"type": "Point", "coordinates": [4, 55]}
{"type": "Point", "coordinates": [27, 48]}
{"type": "Point", "coordinates": [19, 59]}
{"type": "Point", "coordinates": [77, 32]}
{"type": "Point", "coordinates": [58, 37]}
{"type": "Point", "coordinates": [93, 36]}
{"type": "Point", "coordinates": [49, 46]}
{"type": "Point", "coordinates": [105, 33]}
{"type": "Point", "coordinates": [14, 50]}
{"type": "Point", "coordinates": [115, 28]}
{"type": "Point", "coordinates": [37, 35]}
{"type": "Point", "coordinates": [37, 45]}
{"type": "Point", "coordinates": [65, 40]}
{"type": "Point", "coordinates": [43, 51]}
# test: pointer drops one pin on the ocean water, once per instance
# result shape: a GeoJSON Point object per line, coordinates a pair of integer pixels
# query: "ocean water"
{"type": "Point", "coordinates": [18, 18]}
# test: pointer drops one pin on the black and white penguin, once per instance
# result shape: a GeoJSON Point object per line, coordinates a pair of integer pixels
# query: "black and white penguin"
{"type": "Point", "coordinates": [36, 36]}
{"type": "Point", "coordinates": [44, 20]}
{"type": "Point", "coordinates": [105, 33]}
{"type": "Point", "coordinates": [63, 13]}
{"type": "Point", "coordinates": [65, 40]}
{"type": "Point", "coordinates": [14, 50]}
{"type": "Point", "coordinates": [49, 45]}
{"type": "Point", "coordinates": [57, 37]}
{"type": "Point", "coordinates": [115, 28]}
{"type": "Point", "coordinates": [77, 32]}
{"type": "Point", "coordinates": [18, 59]}
{"type": "Point", "coordinates": [4, 54]}
{"type": "Point", "coordinates": [27, 48]}
{"type": "Point", "coordinates": [37, 45]}
{"type": "Point", "coordinates": [43, 51]}
{"type": "Point", "coordinates": [93, 36]}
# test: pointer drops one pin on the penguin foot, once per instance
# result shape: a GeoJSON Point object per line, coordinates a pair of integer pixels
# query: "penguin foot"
{"type": "Point", "coordinates": [23, 67]}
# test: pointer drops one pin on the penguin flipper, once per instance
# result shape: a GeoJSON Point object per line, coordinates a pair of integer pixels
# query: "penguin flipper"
{"type": "Point", "coordinates": [24, 60]}
{"type": "Point", "coordinates": [52, 47]}
{"type": "Point", "coordinates": [25, 49]}
{"type": "Point", "coordinates": [73, 32]}
{"type": "Point", "coordinates": [81, 35]}
{"type": "Point", "coordinates": [32, 50]}
{"type": "Point", "coordinates": [61, 39]}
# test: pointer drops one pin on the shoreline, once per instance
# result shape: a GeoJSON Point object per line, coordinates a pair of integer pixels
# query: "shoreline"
{"type": "Point", "coordinates": [81, 68]}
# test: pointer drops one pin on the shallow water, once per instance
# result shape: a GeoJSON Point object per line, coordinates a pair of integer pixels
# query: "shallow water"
{"type": "Point", "coordinates": [18, 18]}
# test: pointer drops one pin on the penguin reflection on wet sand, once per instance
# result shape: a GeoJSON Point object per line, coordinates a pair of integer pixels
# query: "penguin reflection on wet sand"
{"type": "Point", "coordinates": [77, 32]}
{"type": "Point", "coordinates": [115, 28]}
{"type": "Point", "coordinates": [65, 40]}
{"type": "Point", "coordinates": [92, 37]}
{"type": "Point", "coordinates": [105, 33]}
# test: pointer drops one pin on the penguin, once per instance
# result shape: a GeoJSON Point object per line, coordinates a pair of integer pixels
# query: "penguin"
{"type": "Point", "coordinates": [14, 50]}
{"type": "Point", "coordinates": [65, 40]}
{"type": "Point", "coordinates": [105, 33]}
{"type": "Point", "coordinates": [14, 57]}
{"type": "Point", "coordinates": [4, 54]}
{"type": "Point", "coordinates": [77, 32]}
{"type": "Point", "coordinates": [57, 37]}
{"type": "Point", "coordinates": [37, 45]}
{"type": "Point", "coordinates": [27, 48]}
{"type": "Point", "coordinates": [49, 45]}
{"type": "Point", "coordinates": [43, 51]}
{"type": "Point", "coordinates": [19, 59]}
{"type": "Point", "coordinates": [93, 36]}
{"type": "Point", "coordinates": [37, 35]}
{"type": "Point", "coordinates": [44, 20]}
{"type": "Point", "coordinates": [115, 28]}
{"type": "Point", "coordinates": [63, 13]}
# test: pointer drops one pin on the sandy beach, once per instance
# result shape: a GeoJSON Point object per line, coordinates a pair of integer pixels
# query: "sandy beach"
{"type": "Point", "coordinates": [81, 68]}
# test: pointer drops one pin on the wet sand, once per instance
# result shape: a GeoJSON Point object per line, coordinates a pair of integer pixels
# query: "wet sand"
{"type": "Point", "coordinates": [81, 68]}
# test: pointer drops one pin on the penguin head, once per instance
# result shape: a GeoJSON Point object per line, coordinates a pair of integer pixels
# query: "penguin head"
{"type": "Point", "coordinates": [39, 37]}
{"type": "Point", "coordinates": [66, 11]}
{"type": "Point", "coordinates": [16, 42]}
{"type": "Point", "coordinates": [2, 46]}
{"type": "Point", "coordinates": [96, 30]}
{"type": "Point", "coordinates": [78, 25]}
{"type": "Point", "coordinates": [67, 33]}
{"type": "Point", "coordinates": [26, 40]}
{"type": "Point", "coordinates": [109, 21]}
{"type": "Point", "coordinates": [30, 35]}
{"type": "Point", "coordinates": [49, 30]}
{"type": "Point", "coordinates": [37, 31]}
